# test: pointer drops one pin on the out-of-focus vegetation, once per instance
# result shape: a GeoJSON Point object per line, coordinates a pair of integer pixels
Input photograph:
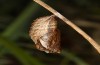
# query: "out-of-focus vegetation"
{"type": "Point", "coordinates": [16, 47]}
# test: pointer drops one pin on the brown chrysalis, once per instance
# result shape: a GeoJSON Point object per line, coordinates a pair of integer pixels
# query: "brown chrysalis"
{"type": "Point", "coordinates": [45, 34]}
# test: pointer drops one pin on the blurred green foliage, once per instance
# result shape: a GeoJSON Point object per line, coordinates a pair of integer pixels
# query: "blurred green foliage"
{"type": "Point", "coordinates": [16, 48]}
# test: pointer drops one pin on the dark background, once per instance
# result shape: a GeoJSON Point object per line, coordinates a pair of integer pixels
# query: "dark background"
{"type": "Point", "coordinates": [16, 47]}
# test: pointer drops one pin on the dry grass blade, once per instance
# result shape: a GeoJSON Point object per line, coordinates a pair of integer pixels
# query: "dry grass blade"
{"type": "Point", "coordinates": [81, 32]}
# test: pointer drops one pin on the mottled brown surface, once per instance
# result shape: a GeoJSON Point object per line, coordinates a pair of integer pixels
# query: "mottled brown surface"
{"type": "Point", "coordinates": [45, 34]}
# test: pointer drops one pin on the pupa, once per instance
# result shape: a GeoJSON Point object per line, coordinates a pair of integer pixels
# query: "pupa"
{"type": "Point", "coordinates": [45, 34]}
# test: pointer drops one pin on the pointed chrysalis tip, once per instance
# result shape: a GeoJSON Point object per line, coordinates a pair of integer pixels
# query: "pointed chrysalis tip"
{"type": "Point", "coordinates": [53, 15]}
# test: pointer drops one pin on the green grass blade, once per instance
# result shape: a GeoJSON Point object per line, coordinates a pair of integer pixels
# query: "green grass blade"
{"type": "Point", "coordinates": [19, 22]}
{"type": "Point", "coordinates": [22, 56]}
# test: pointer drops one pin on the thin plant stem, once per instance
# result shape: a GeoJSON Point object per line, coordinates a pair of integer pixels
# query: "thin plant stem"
{"type": "Point", "coordinates": [81, 32]}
